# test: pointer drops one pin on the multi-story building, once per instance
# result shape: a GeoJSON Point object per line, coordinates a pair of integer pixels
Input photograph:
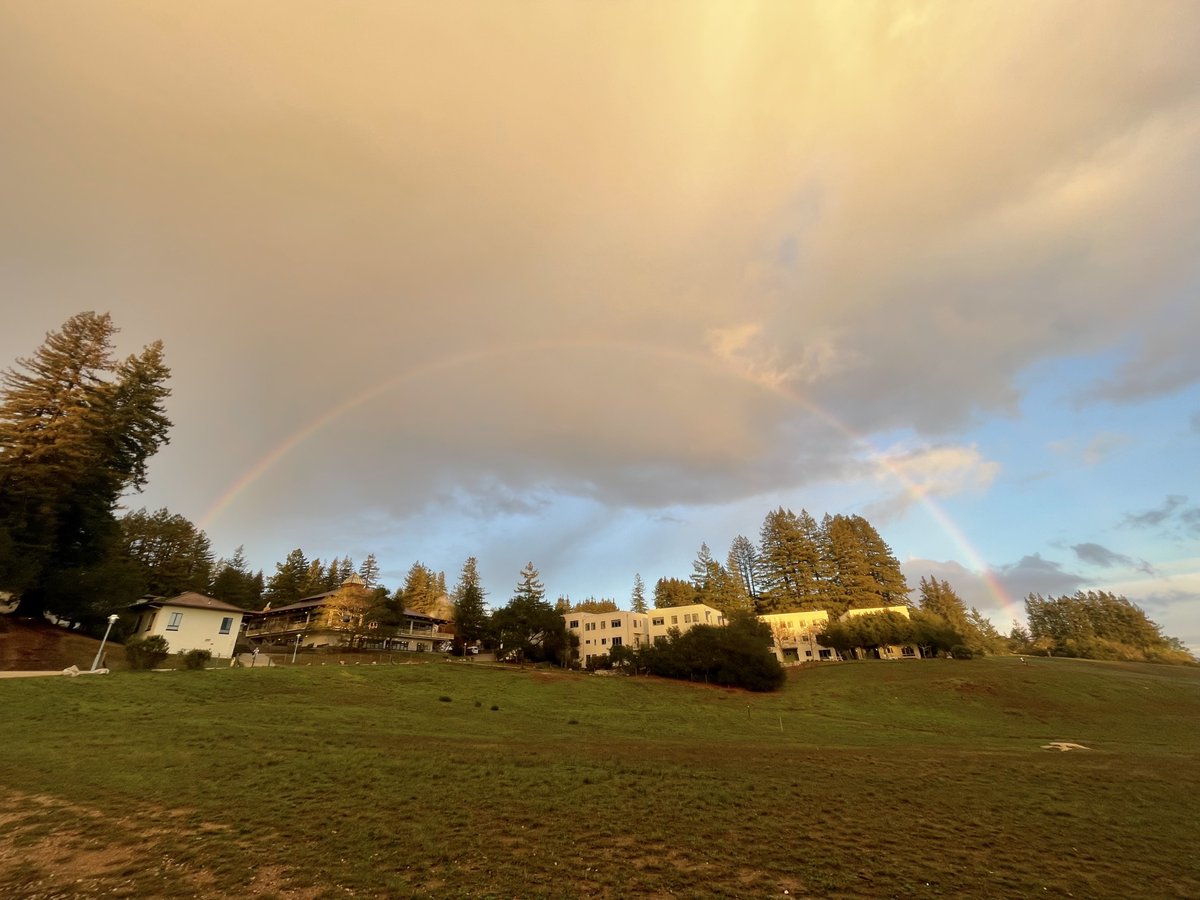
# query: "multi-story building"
{"type": "Point", "coordinates": [796, 633]}
{"type": "Point", "coordinates": [600, 632]}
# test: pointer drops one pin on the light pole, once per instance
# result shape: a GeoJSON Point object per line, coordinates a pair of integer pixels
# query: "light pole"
{"type": "Point", "coordinates": [96, 662]}
{"type": "Point", "coordinates": [296, 649]}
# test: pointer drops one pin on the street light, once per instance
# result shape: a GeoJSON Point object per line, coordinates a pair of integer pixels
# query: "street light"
{"type": "Point", "coordinates": [111, 621]}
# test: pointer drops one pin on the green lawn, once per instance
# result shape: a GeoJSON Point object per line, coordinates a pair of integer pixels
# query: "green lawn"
{"type": "Point", "coordinates": [867, 779]}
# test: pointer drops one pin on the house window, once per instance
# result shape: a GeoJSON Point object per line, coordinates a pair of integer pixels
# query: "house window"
{"type": "Point", "coordinates": [574, 623]}
{"type": "Point", "coordinates": [908, 651]}
{"type": "Point", "coordinates": [674, 620]}
{"type": "Point", "coordinates": [173, 622]}
{"type": "Point", "coordinates": [226, 624]}
{"type": "Point", "coordinates": [658, 620]}
{"type": "Point", "coordinates": [601, 626]}
{"type": "Point", "coordinates": [604, 640]}
{"type": "Point", "coordinates": [616, 623]}
{"type": "Point", "coordinates": [616, 642]}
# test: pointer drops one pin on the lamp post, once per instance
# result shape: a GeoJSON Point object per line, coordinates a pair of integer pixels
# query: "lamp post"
{"type": "Point", "coordinates": [96, 662]}
{"type": "Point", "coordinates": [296, 649]}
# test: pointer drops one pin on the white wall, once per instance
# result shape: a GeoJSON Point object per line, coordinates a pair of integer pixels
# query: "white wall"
{"type": "Point", "coordinates": [199, 629]}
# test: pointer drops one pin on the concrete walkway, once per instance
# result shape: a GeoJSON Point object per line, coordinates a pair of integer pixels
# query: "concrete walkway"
{"type": "Point", "coordinates": [59, 672]}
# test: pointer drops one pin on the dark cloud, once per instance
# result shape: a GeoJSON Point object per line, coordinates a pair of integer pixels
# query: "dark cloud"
{"type": "Point", "coordinates": [1097, 555]}
{"type": "Point", "coordinates": [1100, 556]}
{"type": "Point", "coordinates": [1152, 518]}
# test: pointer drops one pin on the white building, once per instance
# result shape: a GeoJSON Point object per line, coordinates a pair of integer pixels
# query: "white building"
{"type": "Point", "coordinates": [795, 635]}
{"type": "Point", "coordinates": [600, 632]}
{"type": "Point", "coordinates": [190, 621]}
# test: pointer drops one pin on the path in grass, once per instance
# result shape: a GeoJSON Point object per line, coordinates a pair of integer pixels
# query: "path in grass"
{"type": "Point", "coordinates": [914, 778]}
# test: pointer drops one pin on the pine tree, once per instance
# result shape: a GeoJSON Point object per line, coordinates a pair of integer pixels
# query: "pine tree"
{"type": "Point", "coordinates": [314, 579]}
{"type": "Point", "coordinates": [421, 590]}
{"type": "Point", "coordinates": [470, 613]}
{"type": "Point", "coordinates": [743, 564]}
{"type": "Point", "coordinates": [637, 600]}
{"type": "Point", "coordinates": [369, 571]}
{"type": "Point", "coordinates": [528, 627]}
{"type": "Point", "coordinates": [290, 578]}
{"type": "Point", "coordinates": [789, 563]}
{"type": "Point", "coordinates": [173, 555]}
{"type": "Point", "coordinates": [670, 592]}
{"type": "Point", "coordinates": [77, 429]}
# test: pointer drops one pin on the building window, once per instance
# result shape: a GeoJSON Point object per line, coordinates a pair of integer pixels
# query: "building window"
{"type": "Point", "coordinates": [604, 640]}
{"type": "Point", "coordinates": [226, 625]}
{"type": "Point", "coordinates": [574, 623]}
{"type": "Point", "coordinates": [173, 622]}
{"type": "Point", "coordinates": [601, 626]}
{"type": "Point", "coordinates": [658, 620]}
{"type": "Point", "coordinates": [616, 623]}
{"type": "Point", "coordinates": [616, 642]}
{"type": "Point", "coordinates": [908, 651]}
{"type": "Point", "coordinates": [674, 620]}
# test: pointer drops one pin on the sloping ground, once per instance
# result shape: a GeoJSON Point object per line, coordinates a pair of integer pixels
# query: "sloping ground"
{"type": "Point", "coordinates": [28, 645]}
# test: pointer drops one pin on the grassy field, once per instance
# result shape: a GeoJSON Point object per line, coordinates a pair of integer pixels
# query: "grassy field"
{"type": "Point", "coordinates": [454, 779]}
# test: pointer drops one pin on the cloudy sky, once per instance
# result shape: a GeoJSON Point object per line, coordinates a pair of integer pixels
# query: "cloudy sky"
{"type": "Point", "coordinates": [588, 284]}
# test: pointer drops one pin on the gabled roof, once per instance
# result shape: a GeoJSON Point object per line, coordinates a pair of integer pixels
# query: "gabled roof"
{"type": "Point", "coordinates": [189, 600]}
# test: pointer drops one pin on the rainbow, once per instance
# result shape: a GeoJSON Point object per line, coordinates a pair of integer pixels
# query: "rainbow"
{"type": "Point", "coordinates": [455, 361]}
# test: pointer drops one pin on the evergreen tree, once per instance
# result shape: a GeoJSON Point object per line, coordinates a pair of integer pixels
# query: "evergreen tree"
{"type": "Point", "coordinates": [593, 605]}
{"type": "Point", "coordinates": [314, 579]}
{"type": "Point", "coordinates": [529, 627]}
{"type": "Point", "coordinates": [789, 563]}
{"type": "Point", "coordinates": [234, 584]}
{"type": "Point", "coordinates": [173, 555]}
{"type": "Point", "coordinates": [421, 590]}
{"type": "Point", "coordinates": [743, 565]}
{"type": "Point", "coordinates": [673, 592]}
{"type": "Point", "coordinates": [369, 571]}
{"type": "Point", "coordinates": [470, 613]}
{"type": "Point", "coordinates": [290, 578]}
{"type": "Point", "coordinates": [346, 570]}
{"type": "Point", "coordinates": [77, 429]}
{"type": "Point", "coordinates": [637, 600]}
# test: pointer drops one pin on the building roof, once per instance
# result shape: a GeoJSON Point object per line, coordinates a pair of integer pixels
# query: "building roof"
{"type": "Point", "coordinates": [190, 600]}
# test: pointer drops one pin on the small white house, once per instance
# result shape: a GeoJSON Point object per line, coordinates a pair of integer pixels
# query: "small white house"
{"type": "Point", "coordinates": [190, 621]}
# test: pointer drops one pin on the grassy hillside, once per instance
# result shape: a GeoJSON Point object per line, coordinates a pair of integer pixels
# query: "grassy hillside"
{"type": "Point", "coordinates": [867, 779]}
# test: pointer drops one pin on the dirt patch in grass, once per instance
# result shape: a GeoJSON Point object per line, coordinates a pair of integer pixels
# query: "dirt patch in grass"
{"type": "Point", "coordinates": [57, 849]}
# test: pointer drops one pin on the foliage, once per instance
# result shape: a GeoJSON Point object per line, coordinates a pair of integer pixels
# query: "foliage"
{"type": "Point", "coordinates": [637, 599]}
{"type": "Point", "coordinates": [196, 659]}
{"type": "Point", "coordinates": [288, 583]}
{"type": "Point", "coordinates": [868, 632]}
{"type": "Point", "coordinates": [173, 555]}
{"type": "Point", "coordinates": [369, 571]}
{"type": "Point", "coordinates": [529, 628]}
{"type": "Point", "coordinates": [422, 589]}
{"type": "Point", "coordinates": [1099, 625]}
{"type": "Point", "coordinates": [734, 655]}
{"type": "Point", "coordinates": [234, 583]}
{"type": "Point", "coordinates": [670, 592]}
{"type": "Point", "coordinates": [594, 605]}
{"type": "Point", "coordinates": [146, 652]}
{"type": "Point", "coordinates": [77, 428]}
{"type": "Point", "coordinates": [470, 613]}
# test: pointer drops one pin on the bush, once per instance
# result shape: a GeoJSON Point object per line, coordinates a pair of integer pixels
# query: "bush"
{"type": "Point", "coordinates": [146, 653]}
{"type": "Point", "coordinates": [196, 659]}
{"type": "Point", "coordinates": [961, 651]}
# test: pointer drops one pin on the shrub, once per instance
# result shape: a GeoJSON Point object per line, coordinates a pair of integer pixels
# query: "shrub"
{"type": "Point", "coordinates": [961, 651]}
{"type": "Point", "coordinates": [196, 659]}
{"type": "Point", "coordinates": [146, 653]}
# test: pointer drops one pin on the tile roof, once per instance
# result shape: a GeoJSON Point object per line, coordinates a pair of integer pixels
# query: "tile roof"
{"type": "Point", "coordinates": [189, 599]}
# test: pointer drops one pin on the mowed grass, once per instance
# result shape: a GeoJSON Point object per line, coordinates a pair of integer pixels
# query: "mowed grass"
{"type": "Point", "coordinates": [867, 779]}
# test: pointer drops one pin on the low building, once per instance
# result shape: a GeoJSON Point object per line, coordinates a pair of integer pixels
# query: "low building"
{"type": "Point", "coordinates": [599, 632]}
{"type": "Point", "coordinates": [343, 618]}
{"type": "Point", "coordinates": [795, 635]}
{"type": "Point", "coordinates": [189, 621]}
{"type": "Point", "coordinates": [887, 651]}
